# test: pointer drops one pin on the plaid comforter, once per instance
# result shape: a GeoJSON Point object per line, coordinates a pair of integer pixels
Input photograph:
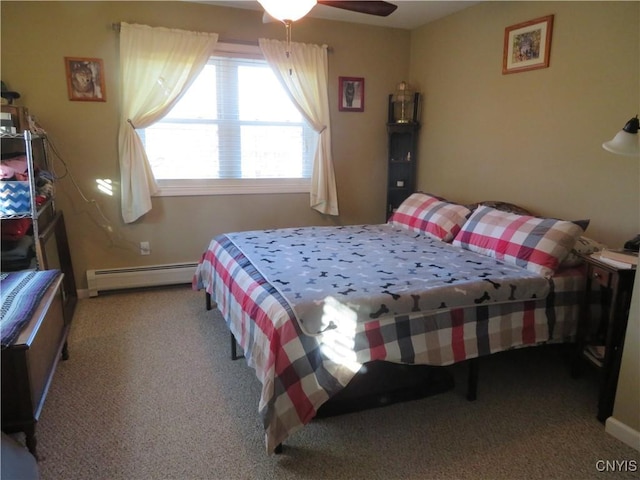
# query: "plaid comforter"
{"type": "Point", "coordinates": [299, 370]}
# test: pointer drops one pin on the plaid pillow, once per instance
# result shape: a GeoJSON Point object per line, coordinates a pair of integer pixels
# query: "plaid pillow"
{"type": "Point", "coordinates": [537, 244]}
{"type": "Point", "coordinates": [424, 213]}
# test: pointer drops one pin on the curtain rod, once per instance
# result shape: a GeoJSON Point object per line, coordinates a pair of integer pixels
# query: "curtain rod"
{"type": "Point", "coordinates": [253, 43]}
{"type": "Point", "coordinates": [116, 28]}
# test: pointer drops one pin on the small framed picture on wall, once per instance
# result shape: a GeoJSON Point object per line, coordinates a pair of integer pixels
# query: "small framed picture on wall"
{"type": "Point", "coordinates": [85, 79]}
{"type": "Point", "coordinates": [351, 91]}
{"type": "Point", "coordinates": [527, 45]}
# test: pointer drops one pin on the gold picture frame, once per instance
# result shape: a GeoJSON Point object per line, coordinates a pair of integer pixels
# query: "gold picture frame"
{"type": "Point", "coordinates": [85, 79]}
{"type": "Point", "coordinates": [527, 45]}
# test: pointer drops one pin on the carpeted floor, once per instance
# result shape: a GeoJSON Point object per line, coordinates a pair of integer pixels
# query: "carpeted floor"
{"type": "Point", "coordinates": [149, 392]}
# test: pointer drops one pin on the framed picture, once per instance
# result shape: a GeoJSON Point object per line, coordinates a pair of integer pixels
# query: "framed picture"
{"type": "Point", "coordinates": [85, 79]}
{"type": "Point", "coordinates": [351, 91]}
{"type": "Point", "coordinates": [527, 45]}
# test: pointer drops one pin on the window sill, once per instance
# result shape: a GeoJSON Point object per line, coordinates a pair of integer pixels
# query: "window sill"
{"type": "Point", "coordinates": [186, 188]}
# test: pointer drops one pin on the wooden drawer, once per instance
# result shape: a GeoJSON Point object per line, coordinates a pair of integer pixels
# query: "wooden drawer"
{"type": "Point", "coordinates": [601, 275]}
{"type": "Point", "coordinates": [44, 353]}
{"type": "Point", "coordinates": [29, 363]}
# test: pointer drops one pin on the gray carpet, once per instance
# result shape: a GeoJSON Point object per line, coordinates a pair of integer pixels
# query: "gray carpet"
{"type": "Point", "coordinates": [149, 392]}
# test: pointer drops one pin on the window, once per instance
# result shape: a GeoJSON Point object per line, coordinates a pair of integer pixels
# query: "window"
{"type": "Point", "coordinates": [234, 131]}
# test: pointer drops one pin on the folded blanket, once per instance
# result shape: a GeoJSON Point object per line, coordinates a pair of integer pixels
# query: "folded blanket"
{"type": "Point", "coordinates": [375, 270]}
{"type": "Point", "coordinates": [18, 250]}
{"type": "Point", "coordinates": [20, 294]}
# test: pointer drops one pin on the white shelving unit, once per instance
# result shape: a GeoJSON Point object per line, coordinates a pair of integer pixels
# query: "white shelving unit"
{"type": "Point", "coordinates": [50, 242]}
{"type": "Point", "coordinates": [10, 142]}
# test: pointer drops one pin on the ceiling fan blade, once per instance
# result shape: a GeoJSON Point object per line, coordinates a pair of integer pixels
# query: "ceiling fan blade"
{"type": "Point", "coordinates": [379, 8]}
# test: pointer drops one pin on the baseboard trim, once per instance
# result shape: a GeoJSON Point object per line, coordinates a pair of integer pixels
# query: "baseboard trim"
{"type": "Point", "coordinates": [623, 432]}
{"type": "Point", "coordinates": [139, 277]}
{"type": "Point", "coordinates": [82, 293]}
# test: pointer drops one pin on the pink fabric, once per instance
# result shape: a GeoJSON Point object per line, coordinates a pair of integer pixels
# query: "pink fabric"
{"type": "Point", "coordinates": [9, 168]}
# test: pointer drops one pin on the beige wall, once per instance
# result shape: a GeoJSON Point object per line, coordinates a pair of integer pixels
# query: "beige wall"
{"type": "Point", "coordinates": [36, 36]}
{"type": "Point", "coordinates": [533, 138]}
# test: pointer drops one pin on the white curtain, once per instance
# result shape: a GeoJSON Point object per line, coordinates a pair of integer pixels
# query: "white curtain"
{"type": "Point", "coordinates": [305, 75]}
{"type": "Point", "coordinates": [157, 65]}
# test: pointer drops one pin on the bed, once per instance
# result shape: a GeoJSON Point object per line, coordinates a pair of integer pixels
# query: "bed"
{"type": "Point", "coordinates": [440, 283]}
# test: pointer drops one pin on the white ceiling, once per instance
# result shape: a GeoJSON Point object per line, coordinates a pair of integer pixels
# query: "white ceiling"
{"type": "Point", "coordinates": [408, 15]}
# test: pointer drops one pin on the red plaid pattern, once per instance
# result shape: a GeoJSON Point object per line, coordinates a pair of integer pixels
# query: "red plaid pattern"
{"type": "Point", "coordinates": [423, 213]}
{"type": "Point", "coordinates": [537, 244]}
{"type": "Point", "coordinates": [300, 372]}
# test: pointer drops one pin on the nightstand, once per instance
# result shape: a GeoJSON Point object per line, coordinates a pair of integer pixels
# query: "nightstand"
{"type": "Point", "coordinates": [614, 286]}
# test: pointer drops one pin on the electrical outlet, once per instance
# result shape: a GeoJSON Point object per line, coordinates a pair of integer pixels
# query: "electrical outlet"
{"type": "Point", "coordinates": [145, 248]}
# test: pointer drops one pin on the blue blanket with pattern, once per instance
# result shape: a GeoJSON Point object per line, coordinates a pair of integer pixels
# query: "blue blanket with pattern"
{"type": "Point", "coordinates": [20, 294]}
{"type": "Point", "coordinates": [378, 270]}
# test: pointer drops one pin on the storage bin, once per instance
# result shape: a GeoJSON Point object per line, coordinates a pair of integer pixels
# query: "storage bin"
{"type": "Point", "coordinates": [14, 198]}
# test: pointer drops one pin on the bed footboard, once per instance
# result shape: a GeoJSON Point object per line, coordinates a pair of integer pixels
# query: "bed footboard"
{"type": "Point", "coordinates": [472, 379]}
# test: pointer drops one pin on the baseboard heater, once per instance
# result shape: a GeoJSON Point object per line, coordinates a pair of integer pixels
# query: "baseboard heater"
{"type": "Point", "coordinates": [139, 277]}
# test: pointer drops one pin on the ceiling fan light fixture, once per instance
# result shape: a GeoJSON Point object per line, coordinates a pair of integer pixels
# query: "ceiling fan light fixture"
{"type": "Point", "coordinates": [287, 10]}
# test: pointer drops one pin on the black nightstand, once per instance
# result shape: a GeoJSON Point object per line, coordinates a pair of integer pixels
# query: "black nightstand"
{"type": "Point", "coordinates": [615, 289]}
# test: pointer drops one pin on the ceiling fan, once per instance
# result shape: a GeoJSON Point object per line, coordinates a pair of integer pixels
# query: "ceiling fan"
{"type": "Point", "coordinates": [380, 9]}
{"type": "Point", "coordinates": [288, 11]}
{"type": "Point", "coordinates": [292, 10]}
